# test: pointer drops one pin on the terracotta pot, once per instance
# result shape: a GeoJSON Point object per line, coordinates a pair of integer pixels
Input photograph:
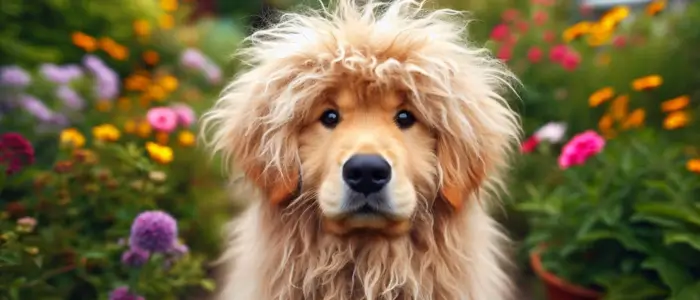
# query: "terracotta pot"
{"type": "Point", "coordinates": [557, 288]}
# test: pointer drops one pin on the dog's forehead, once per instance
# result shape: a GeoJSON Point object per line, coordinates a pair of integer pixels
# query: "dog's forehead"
{"type": "Point", "coordinates": [352, 98]}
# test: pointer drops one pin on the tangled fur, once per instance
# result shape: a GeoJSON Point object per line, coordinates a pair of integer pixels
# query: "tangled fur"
{"type": "Point", "coordinates": [453, 250]}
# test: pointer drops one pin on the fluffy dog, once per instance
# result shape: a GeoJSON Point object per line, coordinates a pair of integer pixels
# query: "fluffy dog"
{"type": "Point", "coordinates": [374, 136]}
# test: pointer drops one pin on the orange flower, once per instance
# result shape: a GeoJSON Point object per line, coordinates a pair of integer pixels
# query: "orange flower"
{"type": "Point", "coordinates": [656, 7]}
{"type": "Point", "coordinates": [144, 100]}
{"type": "Point", "coordinates": [600, 96]}
{"type": "Point", "coordinates": [156, 92]}
{"type": "Point", "coordinates": [130, 126]}
{"type": "Point", "coordinates": [84, 41]}
{"type": "Point", "coordinates": [166, 21]}
{"type": "Point", "coordinates": [119, 52]}
{"type": "Point", "coordinates": [693, 165]}
{"type": "Point", "coordinates": [647, 82]}
{"type": "Point", "coordinates": [169, 83]}
{"type": "Point", "coordinates": [635, 119]}
{"type": "Point", "coordinates": [103, 105]}
{"type": "Point", "coordinates": [168, 5]}
{"type": "Point", "coordinates": [151, 57]}
{"type": "Point", "coordinates": [107, 44]}
{"type": "Point", "coordinates": [676, 120]}
{"type": "Point", "coordinates": [143, 129]}
{"type": "Point", "coordinates": [142, 28]}
{"type": "Point", "coordinates": [162, 138]}
{"type": "Point", "coordinates": [124, 104]}
{"type": "Point", "coordinates": [618, 109]}
{"type": "Point", "coordinates": [576, 31]}
{"type": "Point", "coordinates": [674, 104]}
{"type": "Point", "coordinates": [137, 82]}
{"type": "Point", "coordinates": [605, 123]}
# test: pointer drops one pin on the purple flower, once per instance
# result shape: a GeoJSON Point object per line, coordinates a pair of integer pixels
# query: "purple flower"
{"type": "Point", "coordinates": [70, 97]}
{"type": "Point", "coordinates": [193, 59]}
{"type": "Point", "coordinates": [179, 250]}
{"type": "Point", "coordinates": [14, 76]}
{"type": "Point", "coordinates": [212, 72]}
{"type": "Point", "coordinates": [153, 231]}
{"type": "Point", "coordinates": [36, 108]}
{"type": "Point", "coordinates": [185, 114]}
{"type": "Point", "coordinates": [123, 293]}
{"type": "Point", "coordinates": [107, 81]}
{"type": "Point", "coordinates": [135, 257]}
{"type": "Point", "coordinates": [60, 74]}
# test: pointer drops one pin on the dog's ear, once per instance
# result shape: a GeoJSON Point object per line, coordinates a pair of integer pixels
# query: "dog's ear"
{"type": "Point", "coordinates": [276, 187]}
{"type": "Point", "coordinates": [462, 172]}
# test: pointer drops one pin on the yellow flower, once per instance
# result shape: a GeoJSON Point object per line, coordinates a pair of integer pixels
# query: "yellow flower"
{"type": "Point", "coordinates": [161, 154]}
{"type": "Point", "coordinates": [144, 100]}
{"type": "Point", "coordinates": [143, 129]}
{"type": "Point", "coordinates": [72, 137]}
{"type": "Point", "coordinates": [130, 126]}
{"type": "Point", "coordinates": [156, 92]}
{"type": "Point", "coordinates": [166, 21]}
{"type": "Point", "coordinates": [151, 57]}
{"type": "Point", "coordinates": [693, 165]}
{"type": "Point", "coordinates": [186, 138]}
{"type": "Point", "coordinates": [169, 83]}
{"type": "Point", "coordinates": [605, 123]}
{"type": "Point", "coordinates": [674, 104]}
{"type": "Point", "coordinates": [576, 31]}
{"type": "Point", "coordinates": [600, 96]}
{"type": "Point", "coordinates": [162, 137]}
{"type": "Point", "coordinates": [635, 119]}
{"type": "Point", "coordinates": [106, 132]}
{"type": "Point", "coordinates": [655, 7]}
{"type": "Point", "coordinates": [104, 105]}
{"type": "Point", "coordinates": [168, 5]}
{"type": "Point", "coordinates": [124, 104]}
{"type": "Point", "coordinates": [618, 109]}
{"type": "Point", "coordinates": [647, 82]}
{"type": "Point", "coordinates": [84, 41]}
{"type": "Point", "coordinates": [617, 14]}
{"type": "Point", "coordinates": [142, 28]}
{"type": "Point", "coordinates": [676, 120]}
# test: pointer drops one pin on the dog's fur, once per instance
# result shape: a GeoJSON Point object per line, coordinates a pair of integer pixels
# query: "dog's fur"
{"type": "Point", "coordinates": [367, 61]}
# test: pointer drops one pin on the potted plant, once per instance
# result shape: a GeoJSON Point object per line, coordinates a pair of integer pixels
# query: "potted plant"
{"type": "Point", "coordinates": [621, 220]}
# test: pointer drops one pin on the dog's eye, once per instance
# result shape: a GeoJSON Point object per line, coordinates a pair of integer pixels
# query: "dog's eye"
{"type": "Point", "coordinates": [330, 118]}
{"type": "Point", "coordinates": [405, 119]}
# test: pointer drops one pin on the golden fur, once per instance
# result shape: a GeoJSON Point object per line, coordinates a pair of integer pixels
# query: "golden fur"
{"type": "Point", "coordinates": [367, 62]}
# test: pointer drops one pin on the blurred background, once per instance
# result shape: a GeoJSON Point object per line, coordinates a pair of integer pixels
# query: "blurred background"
{"type": "Point", "coordinates": [98, 109]}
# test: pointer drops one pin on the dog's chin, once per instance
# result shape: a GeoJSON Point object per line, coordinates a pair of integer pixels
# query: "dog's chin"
{"type": "Point", "coordinates": [367, 223]}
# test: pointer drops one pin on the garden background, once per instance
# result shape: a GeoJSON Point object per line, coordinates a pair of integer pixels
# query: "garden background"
{"type": "Point", "coordinates": [104, 194]}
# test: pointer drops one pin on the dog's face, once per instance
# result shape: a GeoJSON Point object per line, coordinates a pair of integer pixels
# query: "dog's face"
{"type": "Point", "coordinates": [369, 159]}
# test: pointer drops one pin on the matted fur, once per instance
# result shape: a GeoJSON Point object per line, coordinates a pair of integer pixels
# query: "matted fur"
{"type": "Point", "coordinates": [280, 251]}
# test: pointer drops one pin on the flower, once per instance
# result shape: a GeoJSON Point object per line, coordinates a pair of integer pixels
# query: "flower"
{"type": "Point", "coordinates": [106, 132]}
{"type": "Point", "coordinates": [124, 104]}
{"type": "Point", "coordinates": [693, 165]}
{"type": "Point", "coordinates": [605, 123]}
{"type": "Point", "coordinates": [16, 152]}
{"type": "Point", "coordinates": [647, 82]}
{"type": "Point", "coordinates": [674, 104]}
{"type": "Point", "coordinates": [635, 119]}
{"type": "Point", "coordinates": [510, 15]}
{"type": "Point", "coordinates": [654, 7]}
{"type": "Point", "coordinates": [26, 224]}
{"type": "Point", "coordinates": [36, 108]}
{"type": "Point", "coordinates": [162, 137]}
{"type": "Point", "coordinates": [150, 57]}
{"type": "Point", "coordinates": [552, 132]}
{"type": "Point", "coordinates": [571, 60]}
{"type": "Point", "coordinates": [540, 17]}
{"type": "Point", "coordinates": [522, 26]}
{"type": "Point", "coordinates": [504, 53]}
{"type": "Point", "coordinates": [84, 41]}
{"type": "Point", "coordinates": [103, 105]}
{"type": "Point", "coordinates": [619, 41]}
{"type": "Point", "coordinates": [193, 59]}
{"type": "Point", "coordinates": [676, 119]}
{"type": "Point", "coordinates": [166, 21]}
{"type": "Point", "coordinates": [548, 36]}
{"type": "Point", "coordinates": [557, 53]}
{"type": "Point", "coordinates": [500, 32]}
{"type": "Point", "coordinates": [169, 83]}
{"type": "Point", "coordinates": [154, 231]}
{"type": "Point", "coordinates": [618, 109]}
{"type": "Point", "coordinates": [14, 76]}
{"type": "Point", "coordinates": [107, 86]}
{"type": "Point", "coordinates": [179, 249]}
{"type": "Point", "coordinates": [135, 257]}
{"type": "Point", "coordinates": [157, 176]}
{"type": "Point", "coordinates": [161, 154]}
{"type": "Point", "coordinates": [534, 54]}
{"type": "Point", "coordinates": [70, 97]}
{"type": "Point", "coordinates": [72, 137]}
{"type": "Point", "coordinates": [168, 5]}
{"type": "Point", "coordinates": [143, 129]}
{"type": "Point", "coordinates": [123, 293]}
{"type": "Point", "coordinates": [529, 145]}
{"type": "Point", "coordinates": [162, 118]}
{"type": "Point", "coordinates": [576, 31]}
{"type": "Point", "coordinates": [600, 96]}
{"type": "Point", "coordinates": [186, 138]}
{"type": "Point", "coordinates": [212, 72]}
{"type": "Point", "coordinates": [142, 28]}
{"type": "Point", "coordinates": [156, 92]}
{"type": "Point", "coordinates": [185, 114]}
{"type": "Point", "coordinates": [580, 148]}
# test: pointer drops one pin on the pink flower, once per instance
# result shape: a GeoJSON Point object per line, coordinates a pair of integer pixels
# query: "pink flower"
{"type": "Point", "coordinates": [580, 148]}
{"type": "Point", "coordinates": [540, 17]}
{"type": "Point", "coordinates": [619, 41]}
{"type": "Point", "coordinates": [523, 26]}
{"type": "Point", "coordinates": [162, 119]}
{"type": "Point", "coordinates": [530, 144]}
{"type": "Point", "coordinates": [571, 60]}
{"type": "Point", "coordinates": [586, 10]}
{"type": "Point", "coordinates": [185, 114]}
{"type": "Point", "coordinates": [548, 36]}
{"type": "Point", "coordinates": [504, 53]}
{"type": "Point", "coordinates": [510, 15]}
{"type": "Point", "coordinates": [534, 54]}
{"type": "Point", "coordinates": [557, 53]}
{"type": "Point", "coordinates": [500, 32]}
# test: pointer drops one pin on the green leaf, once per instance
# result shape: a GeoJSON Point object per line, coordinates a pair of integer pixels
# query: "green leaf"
{"type": "Point", "coordinates": [629, 241]}
{"type": "Point", "coordinates": [673, 275]}
{"type": "Point", "coordinates": [669, 210]}
{"type": "Point", "coordinates": [684, 238]}
{"type": "Point", "coordinates": [94, 255]}
{"type": "Point", "coordinates": [38, 261]}
{"type": "Point", "coordinates": [632, 287]}
{"type": "Point", "coordinates": [689, 292]}
{"type": "Point", "coordinates": [208, 284]}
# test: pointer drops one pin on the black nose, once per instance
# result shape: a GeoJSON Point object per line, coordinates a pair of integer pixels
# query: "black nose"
{"type": "Point", "coordinates": [366, 173]}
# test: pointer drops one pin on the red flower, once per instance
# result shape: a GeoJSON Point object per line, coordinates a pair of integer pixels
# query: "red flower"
{"type": "Point", "coordinates": [571, 60]}
{"type": "Point", "coordinates": [500, 32]}
{"type": "Point", "coordinates": [540, 17]}
{"type": "Point", "coordinates": [505, 53]}
{"type": "Point", "coordinates": [557, 53]}
{"type": "Point", "coordinates": [619, 41]}
{"type": "Point", "coordinates": [534, 54]}
{"type": "Point", "coordinates": [548, 36]}
{"type": "Point", "coordinates": [15, 152]}
{"type": "Point", "coordinates": [510, 15]}
{"type": "Point", "coordinates": [530, 144]}
{"type": "Point", "coordinates": [523, 26]}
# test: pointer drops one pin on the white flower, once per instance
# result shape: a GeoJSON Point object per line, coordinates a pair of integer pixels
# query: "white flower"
{"type": "Point", "coordinates": [552, 132]}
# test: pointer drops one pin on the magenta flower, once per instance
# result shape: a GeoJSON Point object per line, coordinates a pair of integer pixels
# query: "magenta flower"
{"type": "Point", "coordinates": [580, 148]}
{"type": "Point", "coordinates": [504, 53]}
{"type": "Point", "coordinates": [153, 231]}
{"type": "Point", "coordinates": [571, 60]}
{"type": "Point", "coordinates": [123, 293]}
{"type": "Point", "coordinates": [534, 54]}
{"type": "Point", "coordinates": [14, 76]}
{"type": "Point", "coordinates": [500, 32]}
{"type": "Point", "coordinates": [16, 152]}
{"type": "Point", "coordinates": [162, 118]}
{"type": "Point", "coordinates": [185, 114]}
{"type": "Point", "coordinates": [557, 53]}
{"type": "Point", "coordinates": [135, 257]}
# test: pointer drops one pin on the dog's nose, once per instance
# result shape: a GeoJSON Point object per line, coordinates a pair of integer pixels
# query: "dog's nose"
{"type": "Point", "coordinates": [366, 173]}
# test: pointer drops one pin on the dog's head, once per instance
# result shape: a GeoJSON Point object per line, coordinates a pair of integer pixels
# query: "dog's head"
{"type": "Point", "coordinates": [370, 114]}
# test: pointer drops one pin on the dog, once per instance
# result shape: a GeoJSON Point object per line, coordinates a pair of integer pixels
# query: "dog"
{"type": "Point", "coordinates": [375, 139]}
